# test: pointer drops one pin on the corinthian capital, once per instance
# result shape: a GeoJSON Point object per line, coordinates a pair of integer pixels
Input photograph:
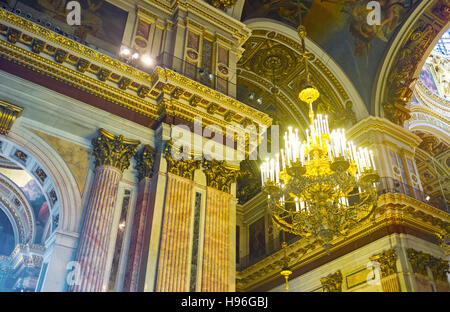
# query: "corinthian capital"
{"type": "Point", "coordinates": [387, 262]}
{"type": "Point", "coordinates": [177, 165]}
{"type": "Point", "coordinates": [111, 150]}
{"type": "Point", "coordinates": [219, 175]}
{"type": "Point", "coordinates": [144, 162]}
{"type": "Point", "coordinates": [332, 282]}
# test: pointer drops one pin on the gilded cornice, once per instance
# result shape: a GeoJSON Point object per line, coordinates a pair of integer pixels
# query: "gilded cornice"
{"type": "Point", "coordinates": [430, 99]}
{"type": "Point", "coordinates": [219, 175]}
{"type": "Point", "coordinates": [387, 261]}
{"type": "Point", "coordinates": [111, 150]}
{"type": "Point", "coordinates": [144, 162]}
{"type": "Point", "coordinates": [8, 114]}
{"type": "Point", "coordinates": [332, 282]}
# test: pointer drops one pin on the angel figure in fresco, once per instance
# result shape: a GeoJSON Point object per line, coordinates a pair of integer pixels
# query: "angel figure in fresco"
{"type": "Point", "coordinates": [392, 14]}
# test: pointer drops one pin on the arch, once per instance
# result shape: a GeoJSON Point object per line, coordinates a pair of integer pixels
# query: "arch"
{"type": "Point", "coordinates": [60, 189]}
{"type": "Point", "coordinates": [404, 59]}
{"type": "Point", "coordinates": [335, 72]}
{"type": "Point", "coordinates": [15, 205]}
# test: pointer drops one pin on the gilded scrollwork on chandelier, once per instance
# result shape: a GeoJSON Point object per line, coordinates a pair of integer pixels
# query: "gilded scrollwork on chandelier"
{"type": "Point", "coordinates": [111, 150]}
{"type": "Point", "coordinates": [219, 175]}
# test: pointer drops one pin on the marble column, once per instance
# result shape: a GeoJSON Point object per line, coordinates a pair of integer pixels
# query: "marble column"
{"type": "Point", "coordinates": [144, 165]}
{"type": "Point", "coordinates": [219, 228]}
{"type": "Point", "coordinates": [112, 156]}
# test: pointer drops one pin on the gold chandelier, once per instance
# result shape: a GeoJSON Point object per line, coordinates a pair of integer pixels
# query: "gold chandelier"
{"type": "Point", "coordinates": [322, 187]}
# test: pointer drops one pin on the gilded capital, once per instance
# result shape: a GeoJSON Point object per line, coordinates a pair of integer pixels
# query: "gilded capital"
{"type": "Point", "coordinates": [332, 282]}
{"type": "Point", "coordinates": [439, 268]}
{"type": "Point", "coordinates": [144, 162]}
{"type": "Point", "coordinates": [111, 150]}
{"type": "Point", "coordinates": [177, 165]}
{"type": "Point", "coordinates": [9, 113]}
{"type": "Point", "coordinates": [387, 261]}
{"type": "Point", "coordinates": [419, 261]}
{"type": "Point", "coordinates": [219, 175]}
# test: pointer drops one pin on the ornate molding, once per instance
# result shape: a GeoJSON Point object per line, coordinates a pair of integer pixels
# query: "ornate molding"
{"type": "Point", "coordinates": [332, 282]}
{"type": "Point", "coordinates": [8, 114]}
{"type": "Point", "coordinates": [111, 150]}
{"type": "Point", "coordinates": [177, 165]}
{"type": "Point", "coordinates": [219, 175]}
{"type": "Point", "coordinates": [439, 268]}
{"type": "Point", "coordinates": [387, 260]}
{"type": "Point", "coordinates": [144, 162]}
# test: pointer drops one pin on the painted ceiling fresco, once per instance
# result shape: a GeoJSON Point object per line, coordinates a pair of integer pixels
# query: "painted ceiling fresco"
{"type": "Point", "coordinates": [340, 27]}
{"type": "Point", "coordinates": [102, 23]}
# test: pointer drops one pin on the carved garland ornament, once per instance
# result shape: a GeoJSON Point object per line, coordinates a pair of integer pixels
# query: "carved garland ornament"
{"type": "Point", "coordinates": [115, 151]}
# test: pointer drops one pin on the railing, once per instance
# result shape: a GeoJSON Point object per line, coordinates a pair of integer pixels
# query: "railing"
{"type": "Point", "coordinates": [385, 186]}
{"type": "Point", "coordinates": [391, 185]}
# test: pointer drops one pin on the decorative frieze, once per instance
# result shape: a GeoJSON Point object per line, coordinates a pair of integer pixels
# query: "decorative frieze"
{"type": "Point", "coordinates": [111, 150]}
{"type": "Point", "coordinates": [177, 165]}
{"type": "Point", "coordinates": [8, 114]}
{"type": "Point", "coordinates": [332, 282]}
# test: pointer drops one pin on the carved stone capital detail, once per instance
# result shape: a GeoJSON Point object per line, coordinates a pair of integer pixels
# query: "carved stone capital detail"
{"type": "Point", "coordinates": [176, 164]}
{"type": "Point", "coordinates": [144, 162]}
{"type": "Point", "coordinates": [111, 150]}
{"type": "Point", "coordinates": [387, 261]}
{"type": "Point", "coordinates": [8, 114]}
{"type": "Point", "coordinates": [420, 261]}
{"type": "Point", "coordinates": [219, 175]}
{"type": "Point", "coordinates": [332, 282]}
